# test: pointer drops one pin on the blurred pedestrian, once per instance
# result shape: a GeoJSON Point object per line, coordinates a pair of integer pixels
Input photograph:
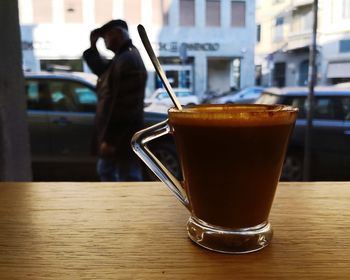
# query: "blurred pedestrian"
{"type": "Point", "coordinates": [120, 89]}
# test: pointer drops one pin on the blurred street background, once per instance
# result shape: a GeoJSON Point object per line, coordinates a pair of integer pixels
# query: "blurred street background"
{"type": "Point", "coordinates": [213, 51]}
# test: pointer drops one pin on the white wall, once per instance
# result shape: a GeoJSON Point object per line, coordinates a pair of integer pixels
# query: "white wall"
{"type": "Point", "coordinates": [68, 41]}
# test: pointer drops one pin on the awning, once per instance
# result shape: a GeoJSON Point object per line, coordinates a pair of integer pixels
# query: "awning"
{"type": "Point", "coordinates": [299, 3]}
{"type": "Point", "coordinates": [338, 70]}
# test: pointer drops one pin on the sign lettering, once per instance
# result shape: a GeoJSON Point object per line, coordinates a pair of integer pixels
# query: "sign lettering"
{"type": "Point", "coordinates": [175, 47]}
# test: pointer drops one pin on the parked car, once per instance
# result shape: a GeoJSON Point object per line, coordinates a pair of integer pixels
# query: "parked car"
{"type": "Point", "coordinates": [161, 97]}
{"type": "Point", "coordinates": [157, 107]}
{"type": "Point", "coordinates": [247, 95]}
{"type": "Point", "coordinates": [343, 85]}
{"type": "Point", "coordinates": [330, 134]}
{"type": "Point", "coordinates": [61, 109]}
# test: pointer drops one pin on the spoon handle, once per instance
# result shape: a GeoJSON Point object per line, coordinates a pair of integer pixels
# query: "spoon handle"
{"type": "Point", "coordinates": [157, 66]}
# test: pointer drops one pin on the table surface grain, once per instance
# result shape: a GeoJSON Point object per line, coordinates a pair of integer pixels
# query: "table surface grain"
{"type": "Point", "coordinates": [137, 231]}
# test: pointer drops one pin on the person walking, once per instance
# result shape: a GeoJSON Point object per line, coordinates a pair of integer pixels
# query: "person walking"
{"type": "Point", "coordinates": [120, 91]}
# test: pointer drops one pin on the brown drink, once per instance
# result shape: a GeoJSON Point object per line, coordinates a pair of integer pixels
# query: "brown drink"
{"type": "Point", "coordinates": [231, 159]}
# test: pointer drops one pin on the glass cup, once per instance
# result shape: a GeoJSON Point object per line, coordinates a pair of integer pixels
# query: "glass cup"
{"type": "Point", "coordinates": [231, 158]}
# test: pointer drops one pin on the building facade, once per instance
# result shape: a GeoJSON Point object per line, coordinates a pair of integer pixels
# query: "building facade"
{"type": "Point", "coordinates": [284, 34]}
{"type": "Point", "coordinates": [205, 45]}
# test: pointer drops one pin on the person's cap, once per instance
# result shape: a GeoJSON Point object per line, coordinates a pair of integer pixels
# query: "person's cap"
{"type": "Point", "coordinates": [113, 23]}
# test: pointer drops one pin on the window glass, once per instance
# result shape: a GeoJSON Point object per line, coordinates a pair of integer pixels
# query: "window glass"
{"type": "Point", "coordinates": [85, 96]}
{"type": "Point", "coordinates": [73, 11]}
{"type": "Point", "coordinates": [163, 95]}
{"type": "Point", "coordinates": [132, 11]}
{"type": "Point", "coordinates": [57, 96]}
{"type": "Point", "coordinates": [212, 12]}
{"type": "Point", "coordinates": [303, 73]}
{"type": "Point", "coordinates": [323, 109]}
{"type": "Point", "coordinates": [326, 108]}
{"type": "Point", "coordinates": [250, 94]}
{"type": "Point", "coordinates": [185, 79]}
{"type": "Point", "coordinates": [279, 21]}
{"type": "Point", "coordinates": [267, 98]}
{"type": "Point", "coordinates": [160, 9]}
{"type": "Point", "coordinates": [187, 13]}
{"type": "Point", "coordinates": [346, 9]}
{"type": "Point", "coordinates": [173, 77]}
{"type": "Point", "coordinates": [183, 93]}
{"type": "Point", "coordinates": [70, 96]}
{"type": "Point", "coordinates": [258, 33]}
{"type": "Point", "coordinates": [103, 11]}
{"type": "Point", "coordinates": [278, 32]}
{"type": "Point", "coordinates": [279, 74]}
{"type": "Point", "coordinates": [247, 92]}
{"type": "Point", "coordinates": [32, 90]}
{"type": "Point", "coordinates": [37, 95]}
{"type": "Point", "coordinates": [346, 108]}
{"type": "Point", "coordinates": [297, 102]}
{"type": "Point", "coordinates": [237, 13]}
{"type": "Point", "coordinates": [42, 11]}
{"type": "Point", "coordinates": [62, 97]}
{"type": "Point", "coordinates": [344, 46]}
{"type": "Point", "coordinates": [302, 18]}
{"type": "Point", "coordinates": [338, 108]}
{"type": "Point", "coordinates": [329, 108]}
{"type": "Point", "coordinates": [258, 75]}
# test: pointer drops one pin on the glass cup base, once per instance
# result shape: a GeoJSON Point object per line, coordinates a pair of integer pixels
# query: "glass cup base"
{"type": "Point", "coordinates": [238, 241]}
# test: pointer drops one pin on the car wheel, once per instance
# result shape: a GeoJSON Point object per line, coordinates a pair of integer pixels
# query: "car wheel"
{"type": "Point", "coordinates": [292, 168]}
{"type": "Point", "coordinates": [168, 158]}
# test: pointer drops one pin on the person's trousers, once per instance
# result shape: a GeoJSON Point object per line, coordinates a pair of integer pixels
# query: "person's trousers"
{"type": "Point", "coordinates": [113, 170]}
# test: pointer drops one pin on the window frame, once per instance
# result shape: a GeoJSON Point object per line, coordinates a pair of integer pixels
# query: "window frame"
{"type": "Point", "coordinates": [212, 22]}
{"type": "Point", "coordinates": [232, 15]}
{"type": "Point", "coordinates": [50, 105]}
{"type": "Point", "coordinates": [344, 46]}
{"type": "Point", "coordinates": [183, 13]}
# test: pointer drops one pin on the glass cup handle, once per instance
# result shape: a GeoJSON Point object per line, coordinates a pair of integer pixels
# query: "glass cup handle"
{"type": "Point", "coordinates": [139, 144]}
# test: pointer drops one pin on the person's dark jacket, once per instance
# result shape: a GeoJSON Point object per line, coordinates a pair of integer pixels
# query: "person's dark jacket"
{"type": "Point", "coordinates": [120, 89]}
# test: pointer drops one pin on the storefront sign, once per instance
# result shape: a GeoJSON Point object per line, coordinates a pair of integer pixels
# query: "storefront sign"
{"type": "Point", "coordinates": [39, 45]}
{"type": "Point", "coordinates": [27, 46]}
{"type": "Point", "coordinates": [175, 47]}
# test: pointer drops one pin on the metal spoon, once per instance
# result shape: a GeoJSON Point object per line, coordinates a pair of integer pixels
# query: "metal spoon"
{"type": "Point", "coordinates": [157, 66]}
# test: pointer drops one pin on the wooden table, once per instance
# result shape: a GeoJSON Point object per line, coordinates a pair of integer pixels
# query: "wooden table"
{"type": "Point", "coordinates": [137, 231]}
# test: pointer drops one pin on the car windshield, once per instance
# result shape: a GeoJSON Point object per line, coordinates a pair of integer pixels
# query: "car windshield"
{"type": "Point", "coordinates": [164, 94]}
{"type": "Point", "coordinates": [247, 91]}
{"type": "Point", "coordinates": [250, 92]}
{"type": "Point", "coordinates": [183, 93]}
{"type": "Point", "coordinates": [267, 98]}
